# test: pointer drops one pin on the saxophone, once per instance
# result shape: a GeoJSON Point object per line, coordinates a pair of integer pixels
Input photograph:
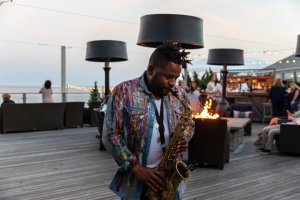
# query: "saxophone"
{"type": "Point", "coordinates": [174, 171]}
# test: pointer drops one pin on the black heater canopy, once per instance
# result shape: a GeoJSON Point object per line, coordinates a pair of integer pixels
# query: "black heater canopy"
{"type": "Point", "coordinates": [106, 50]}
{"type": "Point", "coordinates": [157, 28]}
{"type": "Point", "coordinates": [225, 57]}
{"type": "Point", "coordinates": [297, 54]}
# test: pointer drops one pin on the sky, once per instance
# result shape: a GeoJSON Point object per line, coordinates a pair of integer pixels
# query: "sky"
{"type": "Point", "coordinates": [33, 31]}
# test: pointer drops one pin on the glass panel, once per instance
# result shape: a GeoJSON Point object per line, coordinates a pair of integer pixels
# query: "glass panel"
{"type": "Point", "coordinates": [277, 75]}
{"type": "Point", "coordinates": [16, 97]}
{"type": "Point", "coordinates": [298, 76]}
{"type": "Point", "coordinates": [289, 76]}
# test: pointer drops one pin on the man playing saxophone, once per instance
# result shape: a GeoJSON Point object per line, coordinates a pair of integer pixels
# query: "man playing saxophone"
{"type": "Point", "coordinates": [140, 121]}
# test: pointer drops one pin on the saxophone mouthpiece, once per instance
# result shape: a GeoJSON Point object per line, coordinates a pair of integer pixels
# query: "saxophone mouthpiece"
{"type": "Point", "coordinates": [174, 91]}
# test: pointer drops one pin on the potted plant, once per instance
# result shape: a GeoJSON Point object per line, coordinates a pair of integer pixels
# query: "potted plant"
{"type": "Point", "coordinates": [94, 94]}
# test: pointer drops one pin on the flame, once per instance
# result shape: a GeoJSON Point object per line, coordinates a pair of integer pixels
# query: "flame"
{"type": "Point", "coordinates": [205, 112]}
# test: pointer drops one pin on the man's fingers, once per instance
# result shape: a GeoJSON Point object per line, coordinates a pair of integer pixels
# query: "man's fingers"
{"type": "Point", "coordinates": [154, 185]}
{"type": "Point", "coordinates": [151, 186]}
{"type": "Point", "coordinates": [158, 178]}
{"type": "Point", "coordinates": [159, 174]}
{"type": "Point", "coordinates": [153, 179]}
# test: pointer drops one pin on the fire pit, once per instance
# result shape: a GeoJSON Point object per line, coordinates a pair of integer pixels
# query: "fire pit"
{"type": "Point", "coordinates": [210, 143]}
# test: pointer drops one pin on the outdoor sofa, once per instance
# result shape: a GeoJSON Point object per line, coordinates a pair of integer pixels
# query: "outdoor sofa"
{"type": "Point", "coordinates": [289, 139]}
{"type": "Point", "coordinates": [40, 116]}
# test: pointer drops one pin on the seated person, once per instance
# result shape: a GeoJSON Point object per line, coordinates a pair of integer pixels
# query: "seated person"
{"type": "Point", "coordinates": [6, 99]}
{"type": "Point", "coordinates": [270, 131]}
{"type": "Point", "coordinates": [296, 114]}
{"type": "Point", "coordinates": [274, 121]}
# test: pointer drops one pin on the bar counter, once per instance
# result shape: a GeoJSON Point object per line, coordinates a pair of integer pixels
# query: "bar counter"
{"type": "Point", "coordinates": [256, 99]}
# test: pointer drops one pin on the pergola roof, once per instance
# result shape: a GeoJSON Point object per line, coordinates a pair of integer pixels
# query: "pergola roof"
{"type": "Point", "coordinates": [290, 62]}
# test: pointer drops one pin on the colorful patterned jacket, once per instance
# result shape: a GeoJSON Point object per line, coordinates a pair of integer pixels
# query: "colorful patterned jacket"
{"type": "Point", "coordinates": [127, 131]}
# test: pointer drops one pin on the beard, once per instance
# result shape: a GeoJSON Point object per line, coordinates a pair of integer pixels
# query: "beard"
{"type": "Point", "coordinates": [164, 91]}
{"type": "Point", "coordinates": [158, 88]}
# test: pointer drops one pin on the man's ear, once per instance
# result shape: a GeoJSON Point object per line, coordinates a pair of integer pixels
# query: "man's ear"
{"type": "Point", "coordinates": [150, 70]}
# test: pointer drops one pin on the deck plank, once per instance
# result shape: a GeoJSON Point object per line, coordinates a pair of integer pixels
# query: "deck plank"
{"type": "Point", "coordinates": [66, 164]}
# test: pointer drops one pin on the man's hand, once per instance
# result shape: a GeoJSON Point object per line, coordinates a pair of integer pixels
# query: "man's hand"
{"type": "Point", "coordinates": [182, 146]}
{"type": "Point", "coordinates": [151, 177]}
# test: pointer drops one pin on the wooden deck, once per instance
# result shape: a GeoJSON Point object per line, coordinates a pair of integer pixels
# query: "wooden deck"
{"type": "Point", "coordinates": [66, 164]}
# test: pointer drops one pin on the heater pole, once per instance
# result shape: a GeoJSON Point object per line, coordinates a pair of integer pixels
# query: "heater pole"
{"type": "Point", "coordinates": [224, 72]}
{"type": "Point", "coordinates": [223, 106]}
{"type": "Point", "coordinates": [63, 74]}
{"type": "Point", "coordinates": [106, 70]}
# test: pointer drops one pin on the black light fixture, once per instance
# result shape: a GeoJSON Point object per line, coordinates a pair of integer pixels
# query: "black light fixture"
{"type": "Point", "coordinates": [297, 54]}
{"type": "Point", "coordinates": [225, 57]}
{"type": "Point", "coordinates": [157, 28]}
{"type": "Point", "coordinates": [106, 51]}
{"type": "Point", "coordinates": [184, 29]}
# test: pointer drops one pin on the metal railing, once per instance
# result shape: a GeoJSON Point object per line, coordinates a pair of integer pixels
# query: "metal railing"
{"type": "Point", "coordinates": [57, 97]}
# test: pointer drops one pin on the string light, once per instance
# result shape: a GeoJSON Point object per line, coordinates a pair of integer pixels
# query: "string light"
{"type": "Point", "coordinates": [265, 57]}
{"type": "Point", "coordinates": [264, 53]}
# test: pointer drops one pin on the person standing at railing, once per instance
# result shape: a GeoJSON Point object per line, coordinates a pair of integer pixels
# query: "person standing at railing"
{"type": "Point", "coordinates": [46, 92]}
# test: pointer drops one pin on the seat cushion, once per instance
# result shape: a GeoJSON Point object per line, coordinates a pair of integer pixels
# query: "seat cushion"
{"type": "Point", "coordinates": [241, 114]}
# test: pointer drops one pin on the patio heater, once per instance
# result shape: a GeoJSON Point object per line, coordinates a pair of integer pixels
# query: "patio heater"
{"type": "Point", "coordinates": [106, 51]}
{"type": "Point", "coordinates": [225, 57]}
{"type": "Point", "coordinates": [297, 54]}
{"type": "Point", "coordinates": [184, 29]}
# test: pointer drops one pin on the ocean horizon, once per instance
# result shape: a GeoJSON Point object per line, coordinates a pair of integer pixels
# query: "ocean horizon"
{"type": "Point", "coordinates": [33, 96]}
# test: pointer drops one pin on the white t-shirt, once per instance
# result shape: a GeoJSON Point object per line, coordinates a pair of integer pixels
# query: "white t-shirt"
{"type": "Point", "coordinates": [210, 90]}
{"type": "Point", "coordinates": [155, 150]}
{"type": "Point", "coordinates": [244, 87]}
{"type": "Point", "coordinates": [46, 95]}
{"type": "Point", "coordinates": [218, 89]}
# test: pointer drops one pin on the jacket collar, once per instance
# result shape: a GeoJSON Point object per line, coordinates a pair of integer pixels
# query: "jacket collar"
{"type": "Point", "coordinates": [143, 85]}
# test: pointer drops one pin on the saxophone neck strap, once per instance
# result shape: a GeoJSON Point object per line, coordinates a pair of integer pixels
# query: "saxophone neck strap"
{"type": "Point", "coordinates": [160, 121]}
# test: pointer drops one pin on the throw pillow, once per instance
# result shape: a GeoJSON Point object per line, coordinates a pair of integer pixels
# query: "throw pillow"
{"type": "Point", "coordinates": [241, 114]}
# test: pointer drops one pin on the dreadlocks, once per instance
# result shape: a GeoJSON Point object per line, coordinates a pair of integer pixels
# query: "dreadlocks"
{"type": "Point", "coordinates": [169, 51]}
